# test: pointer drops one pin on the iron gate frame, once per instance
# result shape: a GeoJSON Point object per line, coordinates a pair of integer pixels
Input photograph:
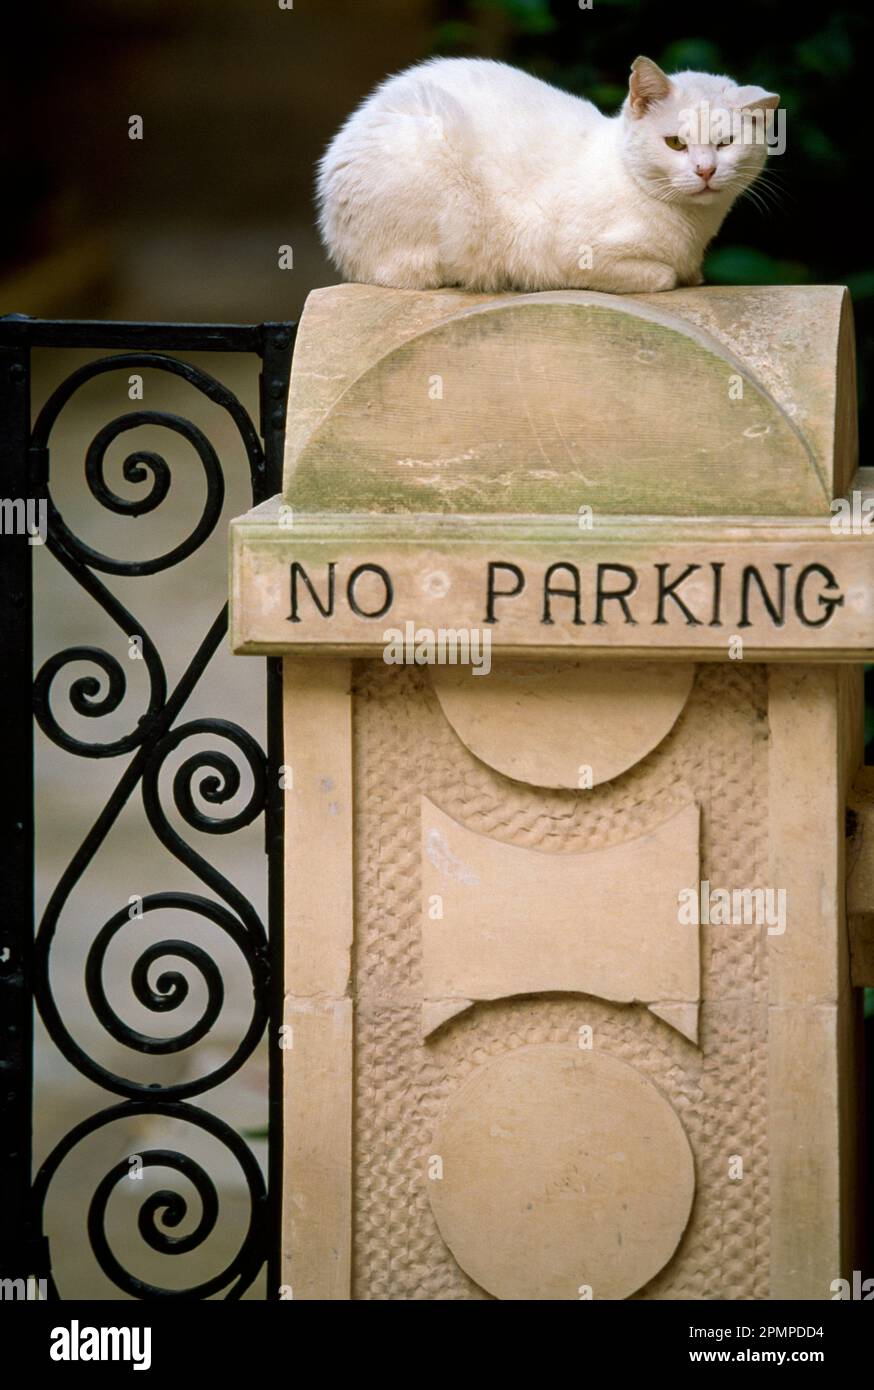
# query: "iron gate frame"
{"type": "Point", "coordinates": [24, 469]}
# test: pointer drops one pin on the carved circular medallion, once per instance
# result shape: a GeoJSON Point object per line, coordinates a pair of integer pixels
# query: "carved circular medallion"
{"type": "Point", "coordinates": [570, 724]}
{"type": "Point", "coordinates": [563, 1170]}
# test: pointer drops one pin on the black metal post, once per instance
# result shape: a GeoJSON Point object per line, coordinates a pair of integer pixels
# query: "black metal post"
{"type": "Point", "coordinates": [23, 1253]}
{"type": "Point", "coordinates": [277, 348]}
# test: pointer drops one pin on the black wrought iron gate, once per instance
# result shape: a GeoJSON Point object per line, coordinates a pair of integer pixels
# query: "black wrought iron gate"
{"type": "Point", "coordinates": [25, 954]}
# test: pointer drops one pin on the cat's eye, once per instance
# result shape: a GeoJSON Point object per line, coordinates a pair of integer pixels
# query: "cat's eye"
{"type": "Point", "coordinates": [674, 142]}
{"type": "Point", "coordinates": [720, 144]}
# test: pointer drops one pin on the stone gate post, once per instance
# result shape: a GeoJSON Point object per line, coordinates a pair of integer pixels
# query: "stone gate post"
{"type": "Point", "coordinates": [574, 593]}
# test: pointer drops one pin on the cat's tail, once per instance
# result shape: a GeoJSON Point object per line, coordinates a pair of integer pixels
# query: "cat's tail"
{"type": "Point", "coordinates": [377, 182]}
{"type": "Point", "coordinates": [423, 106]}
{"type": "Point", "coordinates": [407, 122]}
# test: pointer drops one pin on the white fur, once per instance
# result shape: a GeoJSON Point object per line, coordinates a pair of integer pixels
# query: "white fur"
{"type": "Point", "coordinates": [471, 173]}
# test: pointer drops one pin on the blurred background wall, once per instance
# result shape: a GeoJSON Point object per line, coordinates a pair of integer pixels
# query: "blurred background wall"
{"type": "Point", "coordinates": [237, 100]}
{"type": "Point", "coordinates": [239, 97]}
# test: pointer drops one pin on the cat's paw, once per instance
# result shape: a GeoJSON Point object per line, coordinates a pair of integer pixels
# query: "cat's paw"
{"type": "Point", "coordinates": [637, 276]}
{"type": "Point", "coordinates": [660, 277]}
{"type": "Point", "coordinates": [692, 281]}
{"type": "Point", "coordinates": [406, 270]}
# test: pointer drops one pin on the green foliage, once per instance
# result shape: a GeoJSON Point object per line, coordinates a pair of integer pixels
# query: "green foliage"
{"type": "Point", "coordinates": [695, 55]}
{"type": "Point", "coordinates": [745, 265]}
{"type": "Point", "coordinates": [454, 34]}
{"type": "Point", "coordinates": [828, 52]}
{"type": "Point", "coordinates": [528, 16]}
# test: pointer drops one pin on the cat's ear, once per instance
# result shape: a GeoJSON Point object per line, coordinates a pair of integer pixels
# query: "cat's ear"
{"type": "Point", "coordinates": [756, 99]}
{"type": "Point", "coordinates": [648, 84]}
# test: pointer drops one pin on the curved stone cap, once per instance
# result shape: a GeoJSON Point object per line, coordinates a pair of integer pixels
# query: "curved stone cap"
{"type": "Point", "coordinates": [697, 402]}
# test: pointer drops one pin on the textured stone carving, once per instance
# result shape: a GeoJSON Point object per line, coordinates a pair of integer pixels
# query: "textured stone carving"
{"type": "Point", "coordinates": [714, 755]}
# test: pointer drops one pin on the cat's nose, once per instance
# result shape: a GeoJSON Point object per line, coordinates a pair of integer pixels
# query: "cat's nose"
{"type": "Point", "coordinates": [706, 172]}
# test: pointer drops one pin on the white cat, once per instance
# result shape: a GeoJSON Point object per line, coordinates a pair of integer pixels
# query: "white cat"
{"type": "Point", "coordinates": [471, 173]}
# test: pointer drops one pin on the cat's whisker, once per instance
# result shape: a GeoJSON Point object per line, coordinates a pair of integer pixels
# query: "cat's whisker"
{"type": "Point", "coordinates": [770, 178]}
{"type": "Point", "coordinates": [770, 194]}
{"type": "Point", "coordinates": [763, 196]}
{"type": "Point", "coordinates": [777, 197]}
{"type": "Point", "coordinates": [757, 201]}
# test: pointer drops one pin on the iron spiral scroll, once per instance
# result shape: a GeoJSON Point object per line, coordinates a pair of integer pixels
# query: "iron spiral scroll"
{"type": "Point", "coordinates": [206, 778]}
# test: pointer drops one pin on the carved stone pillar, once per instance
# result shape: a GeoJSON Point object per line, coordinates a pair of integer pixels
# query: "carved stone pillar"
{"type": "Point", "coordinates": [573, 649]}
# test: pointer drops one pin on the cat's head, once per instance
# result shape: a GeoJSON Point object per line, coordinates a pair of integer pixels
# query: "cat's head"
{"type": "Point", "coordinates": [693, 137]}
